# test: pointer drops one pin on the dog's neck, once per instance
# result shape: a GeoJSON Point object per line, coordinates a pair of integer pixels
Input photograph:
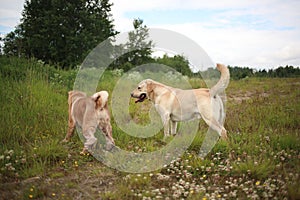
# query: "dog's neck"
{"type": "Point", "coordinates": [157, 91]}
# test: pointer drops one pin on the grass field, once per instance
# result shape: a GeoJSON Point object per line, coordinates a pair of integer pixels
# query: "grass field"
{"type": "Point", "coordinates": [261, 160]}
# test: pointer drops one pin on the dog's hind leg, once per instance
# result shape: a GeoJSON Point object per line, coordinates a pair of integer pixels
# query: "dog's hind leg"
{"type": "Point", "coordinates": [215, 125]}
{"type": "Point", "coordinates": [71, 128]}
{"type": "Point", "coordinates": [71, 121]}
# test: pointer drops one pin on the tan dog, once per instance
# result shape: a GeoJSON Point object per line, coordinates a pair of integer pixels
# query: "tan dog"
{"type": "Point", "coordinates": [89, 113]}
{"type": "Point", "coordinates": [175, 105]}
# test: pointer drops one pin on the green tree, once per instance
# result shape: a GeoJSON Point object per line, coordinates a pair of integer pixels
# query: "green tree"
{"type": "Point", "coordinates": [13, 43]}
{"type": "Point", "coordinates": [240, 72]}
{"type": "Point", "coordinates": [63, 31]}
{"type": "Point", "coordinates": [136, 51]}
{"type": "Point", "coordinates": [178, 62]}
{"type": "Point", "coordinates": [139, 45]}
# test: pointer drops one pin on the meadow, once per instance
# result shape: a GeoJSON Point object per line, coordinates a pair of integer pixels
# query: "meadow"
{"type": "Point", "coordinates": [260, 160]}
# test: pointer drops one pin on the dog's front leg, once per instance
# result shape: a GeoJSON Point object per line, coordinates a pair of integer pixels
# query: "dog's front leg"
{"type": "Point", "coordinates": [166, 123]}
{"type": "Point", "coordinates": [173, 127]}
{"type": "Point", "coordinates": [107, 131]}
{"type": "Point", "coordinates": [165, 117]}
{"type": "Point", "coordinates": [90, 138]}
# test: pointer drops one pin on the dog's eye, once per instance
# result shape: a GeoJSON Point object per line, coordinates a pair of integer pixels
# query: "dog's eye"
{"type": "Point", "coordinates": [139, 88]}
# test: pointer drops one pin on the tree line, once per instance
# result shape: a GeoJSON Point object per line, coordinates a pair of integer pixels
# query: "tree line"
{"type": "Point", "coordinates": [63, 32]}
{"type": "Point", "coordinates": [280, 72]}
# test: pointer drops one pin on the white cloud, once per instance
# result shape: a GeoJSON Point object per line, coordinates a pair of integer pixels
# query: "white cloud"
{"type": "Point", "coordinates": [10, 13]}
{"type": "Point", "coordinates": [252, 33]}
{"type": "Point", "coordinates": [255, 33]}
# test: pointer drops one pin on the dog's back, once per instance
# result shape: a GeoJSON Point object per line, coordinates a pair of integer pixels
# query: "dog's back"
{"type": "Point", "coordinates": [77, 105]}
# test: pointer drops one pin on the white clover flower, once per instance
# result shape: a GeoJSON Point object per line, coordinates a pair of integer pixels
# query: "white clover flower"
{"type": "Point", "coordinates": [11, 152]}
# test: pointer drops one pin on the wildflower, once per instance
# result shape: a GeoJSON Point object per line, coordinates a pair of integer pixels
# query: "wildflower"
{"type": "Point", "coordinates": [53, 194]}
{"type": "Point", "coordinates": [7, 165]}
{"type": "Point", "coordinates": [30, 196]}
{"type": "Point", "coordinates": [176, 194]}
{"type": "Point", "coordinates": [257, 183]}
{"type": "Point", "coordinates": [204, 198]}
{"type": "Point", "coordinates": [11, 152]}
{"type": "Point", "coordinates": [185, 194]}
{"type": "Point", "coordinates": [31, 189]}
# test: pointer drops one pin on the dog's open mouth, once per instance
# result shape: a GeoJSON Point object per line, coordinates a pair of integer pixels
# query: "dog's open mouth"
{"type": "Point", "coordinates": [141, 98]}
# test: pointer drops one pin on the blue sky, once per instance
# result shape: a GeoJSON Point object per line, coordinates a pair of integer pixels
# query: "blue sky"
{"type": "Point", "coordinates": [5, 29]}
{"type": "Point", "coordinates": [179, 16]}
{"type": "Point", "coordinates": [254, 33]}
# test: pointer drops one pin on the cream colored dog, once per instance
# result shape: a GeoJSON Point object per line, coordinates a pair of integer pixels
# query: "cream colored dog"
{"type": "Point", "coordinates": [89, 113]}
{"type": "Point", "coordinates": [175, 105]}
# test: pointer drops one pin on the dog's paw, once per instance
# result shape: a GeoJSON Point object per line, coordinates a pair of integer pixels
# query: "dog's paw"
{"type": "Point", "coordinates": [224, 135]}
{"type": "Point", "coordinates": [167, 138]}
{"type": "Point", "coordinates": [91, 141]}
{"type": "Point", "coordinates": [64, 140]}
{"type": "Point", "coordinates": [84, 151]}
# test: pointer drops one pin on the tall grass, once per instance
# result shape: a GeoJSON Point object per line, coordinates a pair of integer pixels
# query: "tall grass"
{"type": "Point", "coordinates": [33, 114]}
{"type": "Point", "coordinates": [262, 123]}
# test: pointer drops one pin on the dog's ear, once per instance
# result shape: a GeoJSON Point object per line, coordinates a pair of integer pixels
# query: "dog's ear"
{"type": "Point", "coordinates": [150, 85]}
{"type": "Point", "coordinates": [150, 88]}
{"type": "Point", "coordinates": [101, 99]}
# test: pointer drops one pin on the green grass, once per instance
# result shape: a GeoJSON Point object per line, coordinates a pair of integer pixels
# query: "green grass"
{"type": "Point", "coordinates": [262, 151]}
{"type": "Point", "coordinates": [258, 170]}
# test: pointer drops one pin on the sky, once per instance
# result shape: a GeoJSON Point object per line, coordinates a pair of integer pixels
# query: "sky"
{"type": "Point", "coordinates": [246, 33]}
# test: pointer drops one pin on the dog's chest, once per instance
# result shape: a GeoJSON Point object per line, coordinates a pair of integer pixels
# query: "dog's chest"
{"type": "Point", "coordinates": [102, 117]}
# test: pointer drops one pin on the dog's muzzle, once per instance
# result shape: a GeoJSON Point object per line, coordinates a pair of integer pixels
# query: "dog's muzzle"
{"type": "Point", "coordinates": [140, 98]}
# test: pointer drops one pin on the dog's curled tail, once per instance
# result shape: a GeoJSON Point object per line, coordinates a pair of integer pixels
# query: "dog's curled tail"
{"type": "Point", "coordinates": [223, 82]}
{"type": "Point", "coordinates": [101, 98]}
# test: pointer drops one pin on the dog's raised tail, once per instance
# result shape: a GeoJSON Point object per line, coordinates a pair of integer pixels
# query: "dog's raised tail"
{"type": "Point", "coordinates": [223, 82]}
